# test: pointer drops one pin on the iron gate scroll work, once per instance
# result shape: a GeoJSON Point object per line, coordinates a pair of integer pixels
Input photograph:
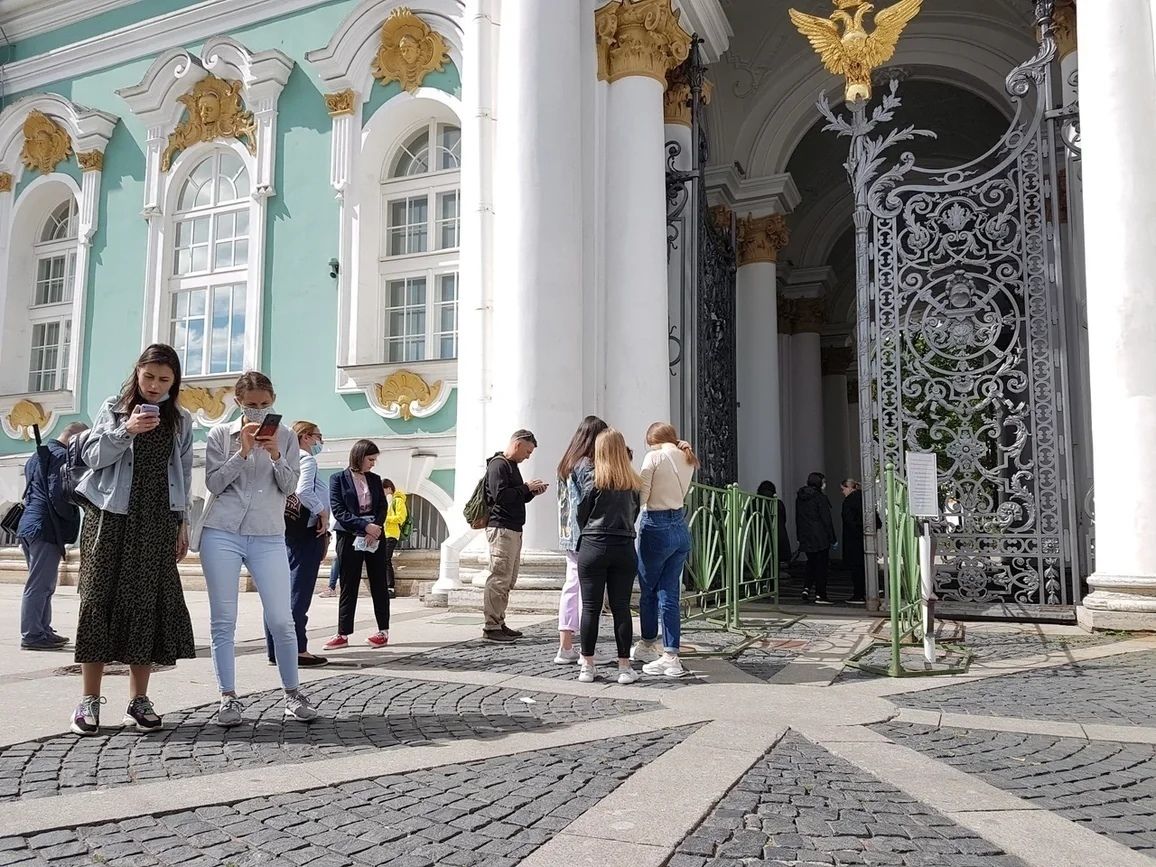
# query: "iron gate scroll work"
{"type": "Point", "coordinates": [703, 310]}
{"type": "Point", "coordinates": [961, 325]}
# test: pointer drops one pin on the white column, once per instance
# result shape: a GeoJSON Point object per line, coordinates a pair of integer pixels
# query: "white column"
{"type": "Point", "coordinates": [757, 317]}
{"type": "Point", "coordinates": [1116, 76]}
{"type": "Point", "coordinates": [786, 482]}
{"type": "Point", "coordinates": [638, 44]}
{"type": "Point", "coordinates": [807, 391]}
{"type": "Point", "coordinates": [537, 356]}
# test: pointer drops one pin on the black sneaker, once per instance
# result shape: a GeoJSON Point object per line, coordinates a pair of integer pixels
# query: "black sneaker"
{"type": "Point", "coordinates": [40, 645]}
{"type": "Point", "coordinates": [392, 593]}
{"type": "Point", "coordinates": [498, 635]}
{"type": "Point", "coordinates": [141, 716]}
{"type": "Point", "coordinates": [58, 640]}
{"type": "Point", "coordinates": [86, 717]}
{"type": "Point", "coordinates": [823, 600]}
{"type": "Point", "coordinates": [806, 594]}
{"type": "Point", "coordinates": [311, 661]}
{"type": "Point", "coordinates": [512, 632]}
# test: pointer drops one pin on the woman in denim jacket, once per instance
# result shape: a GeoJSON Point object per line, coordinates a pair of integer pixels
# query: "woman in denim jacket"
{"type": "Point", "coordinates": [575, 472]}
{"type": "Point", "coordinates": [139, 455]}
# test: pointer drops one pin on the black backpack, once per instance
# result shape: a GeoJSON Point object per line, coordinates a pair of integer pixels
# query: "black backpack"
{"type": "Point", "coordinates": [74, 468]}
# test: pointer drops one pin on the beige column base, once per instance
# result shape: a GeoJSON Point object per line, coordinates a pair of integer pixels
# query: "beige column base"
{"type": "Point", "coordinates": [1124, 602]}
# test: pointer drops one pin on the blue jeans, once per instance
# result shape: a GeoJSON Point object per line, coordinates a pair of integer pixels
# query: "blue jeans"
{"type": "Point", "coordinates": [335, 571]}
{"type": "Point", "coordinates": [305, 553]}
{"type": "Point", "coordinates": [43, 560]}
{"type": "Point", "coordinates": [663, 546]}
{"type": "Point", "coordinates": [222, 554]}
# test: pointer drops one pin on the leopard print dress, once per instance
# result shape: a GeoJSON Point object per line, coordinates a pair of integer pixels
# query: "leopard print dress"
{"type": "Point", "coordinates": [132, 607]}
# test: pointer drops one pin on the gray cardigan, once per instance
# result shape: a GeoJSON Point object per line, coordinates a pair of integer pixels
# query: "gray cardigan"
{"type": "Point", "coordinates": [108, 455]}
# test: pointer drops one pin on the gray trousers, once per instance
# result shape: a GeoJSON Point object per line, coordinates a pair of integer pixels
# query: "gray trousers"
{"type": "Point", "coordinates": [36, 605]}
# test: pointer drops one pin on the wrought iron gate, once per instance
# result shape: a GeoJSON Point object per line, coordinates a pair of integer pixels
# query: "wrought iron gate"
{"type": "Point", "coordinates": [702, 301]}
{"type": "Point", "coordinates": [961, 327]}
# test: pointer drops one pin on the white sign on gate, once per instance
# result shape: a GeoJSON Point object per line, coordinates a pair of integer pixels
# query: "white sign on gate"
{"type": "Point", "coordinates": [922, 485]}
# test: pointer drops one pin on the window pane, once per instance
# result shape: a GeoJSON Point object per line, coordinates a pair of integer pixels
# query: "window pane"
{"type": "Point", "coordinates": [223, 257]}
{"type": "Point", "coordinates": [415, 291]}
{"type": "Point", "coordinates": [201, 230]}
{"type": "Point", "coordinates": [448, 287]}
{"type": "Point", "coordinates": [237, 338]}
{"type": "Point", "coordinates": [197, 302]}
{"type": "Point", "coordinates": [241, 253]}
{"type": "Point", "coordinates": [449, 346]}
{"type": "Point", "coordinates": [449, 148]}
{"type": "Point", "coordinates": [414, 156]}
{"type": "Point", "coordinates": [219, 346]}
{"type": "Point", "coordinates": [200, 258]}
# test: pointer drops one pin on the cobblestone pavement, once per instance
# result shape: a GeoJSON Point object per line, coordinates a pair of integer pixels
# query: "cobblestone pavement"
{"type": "Point", "coordinates": [360, 713]}
{"type": "Point", "coordinates": [1116, 690]}
{"type": "Point", "coordinates": [492, 812]}
{"type": "Point", "coordinates": [1107, 787]}
{"type": "Point", "coordinates": [800, 805]}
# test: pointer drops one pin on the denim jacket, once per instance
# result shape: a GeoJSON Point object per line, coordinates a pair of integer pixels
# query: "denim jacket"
{"type": "Point", "coordinates": [570, 493]}
{"type": "Point", "coordinates": [108, 456]}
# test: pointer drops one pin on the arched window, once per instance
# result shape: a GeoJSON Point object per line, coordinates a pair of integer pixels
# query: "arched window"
{"type": "Point", "coordinates": [418, 261]}
{"type": "Point", "coordinates": [209, 266]}
{"type": "Point", "coordinates": [50, 310]}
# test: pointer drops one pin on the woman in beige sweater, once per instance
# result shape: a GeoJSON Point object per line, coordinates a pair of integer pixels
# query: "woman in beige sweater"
{"type": "Point", "coordinates": [663, 546]}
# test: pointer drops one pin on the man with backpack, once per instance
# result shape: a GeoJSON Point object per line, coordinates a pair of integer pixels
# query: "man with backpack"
{"type": "Point", "coordinates": [505, 496]}
{"type": "Point", "coordinates": [50, 521]}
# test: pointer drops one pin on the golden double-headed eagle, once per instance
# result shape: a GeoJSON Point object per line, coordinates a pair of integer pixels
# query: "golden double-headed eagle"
{"type": "Point", "coordinates": [854, 52]}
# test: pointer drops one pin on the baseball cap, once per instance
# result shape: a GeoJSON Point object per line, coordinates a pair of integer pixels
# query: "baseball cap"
{"type": "Point", "coordinates": [524, 434]}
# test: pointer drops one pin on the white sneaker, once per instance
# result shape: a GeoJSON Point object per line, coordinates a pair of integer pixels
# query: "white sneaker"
{"type": "Point", "coordinates": [585, 673]}
{"type": "Point", "coordinates": [668, 666]}
{"type": "Point", "coordinates": [644, 651]}
{"type": "Point", "coordinates": [627, 675]}
{"type": "Point", "coordinates": [567, 657]}
{"type": "Point", "coordinates": [299, 708]}
{"type": "Point", "coordinates": [229, 714]}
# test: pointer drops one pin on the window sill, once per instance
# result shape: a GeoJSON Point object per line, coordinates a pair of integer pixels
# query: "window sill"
{"type": "Point", "coordinates": [416, 389]}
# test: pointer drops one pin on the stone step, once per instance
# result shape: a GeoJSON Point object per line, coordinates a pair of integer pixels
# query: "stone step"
{"type": "Point", "coordinates": [469, 598]}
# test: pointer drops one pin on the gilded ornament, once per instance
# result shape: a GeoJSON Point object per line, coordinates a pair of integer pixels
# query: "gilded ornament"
{"type": "Point", "coordinates": [639, 37]}
{"type": "Point", "coordinates": [213, 111]}
{"type": "Point", "coordinates": [5, 182]}
{"type": "Point", "coordinates": [1064, 29]}
{"type": "Point", "coordinates": [676, 99]}
{"type": "Point", "coordinates": [854, 53]}
{"type": "Point", "coordinates": [46, 143]}
{"type": "Point", "coordinates": [90, 161]}
{"type": "Point", "coordinates": [404, 390]}
{"type": "Point", "coordinates": [340, 102]}
{"type": "Point", "coordinates": [761, 238]}
{"type": "Point", "coordinates": [409, 51]}
{"type": "Point", "coordinates": [209, 402]}
{"type": "Point", "coordinates": [23, 415]}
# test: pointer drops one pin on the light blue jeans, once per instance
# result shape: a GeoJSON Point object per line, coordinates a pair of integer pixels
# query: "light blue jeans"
{"type": "Point", "coordinates": [663, 546]}
{"type": "Point", "coordinates": [222, 554]}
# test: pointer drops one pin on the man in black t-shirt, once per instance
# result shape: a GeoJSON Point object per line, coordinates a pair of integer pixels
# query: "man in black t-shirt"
{"type": "Point", "coordinates": [507, 496]}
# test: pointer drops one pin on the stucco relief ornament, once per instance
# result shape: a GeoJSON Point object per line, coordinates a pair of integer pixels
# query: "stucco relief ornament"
{"type": "Point", "coordinates": [409, 51]}
{"type": "Point", "coordinates": [340, 102]}
{"type": "Point", "coordinates": [208, 406]}
{"type": "Point", "coordinates": [761, 238]}
{"type": "Point", "coordinates": [23, 415]}
{"type": "Point", "coordinates": [46, 143]}
{"type": "Point", "coordinates": [405, 395]}
{"type": "Point", "coordinates": [5, 182]}
{"type": "Point", "coordinates": [639, 37]}
{"type": "Point", "coordinates": [854, 53]}
{"type": "Point", "coordinates": [214, 111]}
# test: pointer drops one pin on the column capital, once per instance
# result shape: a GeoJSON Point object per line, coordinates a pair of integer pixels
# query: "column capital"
{"type": "Point", "coordinates": [761, 238]}
{"type": "Point", "coordinates": [340, 102]}
{"type": "Point", "coordinates": [836, 360]}
{"type": "Point", "coordinates": [90, 161]}
{"type": "Point", "coordinates": [639, 37]}
{"type": "Point", "coordinates": [676, 99]}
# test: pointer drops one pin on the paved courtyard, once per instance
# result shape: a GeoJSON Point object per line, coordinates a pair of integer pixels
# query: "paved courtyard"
{"type": "Point", "coordinates": [443, 749]}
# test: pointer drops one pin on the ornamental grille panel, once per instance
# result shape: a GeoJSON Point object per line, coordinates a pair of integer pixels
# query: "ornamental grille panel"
{"type": "Point", "coordinates": [962, 329]}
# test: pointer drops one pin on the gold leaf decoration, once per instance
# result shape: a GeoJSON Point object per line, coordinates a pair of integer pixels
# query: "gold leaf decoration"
{"type": "Point", "coordinates": [761, 238]}
{"type": "Point", "coordinates": [208, 401]}
{"type": "Point", "coordinates": [213, 111]}
{"type": "Point", "coordinates": [340, 102]}
{"type": "Point", "coordinates": [854, 53]}
{"type": "Point", "coordinates": [5, 182]}
{"type": "Point", "coordinates": [46, 143]}
{"type": "Point", "coordinates": [639, 37]}
{"type": "Point", "coordinates": [409, 51]}
{"type": "Point", "coordinates": [90, 161]}
{"type": "Point", "coordinates": [24, 414]}
{"type": "Point", "coordinates": [402, 389]}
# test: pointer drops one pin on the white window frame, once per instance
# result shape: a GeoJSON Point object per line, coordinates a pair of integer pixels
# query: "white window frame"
{"type": "Point", "coordinates": [45, 314]}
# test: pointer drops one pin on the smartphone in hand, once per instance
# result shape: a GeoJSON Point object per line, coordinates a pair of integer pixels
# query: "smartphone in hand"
{"type": "Point", "coordinates": [268, 428]}
{"type": "Point", "coordinates": [148, 409]}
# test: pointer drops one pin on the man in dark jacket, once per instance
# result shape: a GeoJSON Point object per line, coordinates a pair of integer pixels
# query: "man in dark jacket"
{"type": "Point", "coordinates": [816, 534]}
{"type": "Point", "coordinates": [48, 524]}
{"type": "Point", "coordinates": [853, 539]}
{"type": "Point", "coordinates": [507, 496]}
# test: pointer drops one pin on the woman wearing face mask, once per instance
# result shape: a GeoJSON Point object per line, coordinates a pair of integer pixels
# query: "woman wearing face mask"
{"type": "Point", "coordinates": [358, 502]}
{"type": "Point", "coordinates": [306, 541]}
{"type": "Point", "coordinates": [395, 515]}
{"type": "Point", "coordinates": [249, 471]}
{"type": "Point", "coordinates": [139, 455]}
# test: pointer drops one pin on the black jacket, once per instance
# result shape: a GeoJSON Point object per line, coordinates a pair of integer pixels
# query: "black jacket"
{"type": "Point", "coordinates": [784, 536]}
{"type": "Point", "coordinates": [506, 493]}
{"type": "Point", "coordinates": [37, 520]}
{"type": "Point", "coordinates": [813, 523]}
{"type": "Point", "coordinates": [853, 525]}
{"type": "Point", "coordinates": [346, 508]}
{"type": "Point", "coordinates": [608, 514]}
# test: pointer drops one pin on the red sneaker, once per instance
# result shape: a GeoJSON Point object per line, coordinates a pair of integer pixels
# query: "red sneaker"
{"type": "Point", "coordinates": [378, 639]}
{"type": "Point", "coordinates": [337, 642]}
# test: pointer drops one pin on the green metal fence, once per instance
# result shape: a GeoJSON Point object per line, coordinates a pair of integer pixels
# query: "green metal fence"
{"type": "Point", "coordinates": [734, 554]}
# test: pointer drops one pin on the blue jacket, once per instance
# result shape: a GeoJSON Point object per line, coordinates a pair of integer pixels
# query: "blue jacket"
{"type": "Point", "coordinates": [346, 509]}
{"type": "Point", "coordinates": [36, 522]}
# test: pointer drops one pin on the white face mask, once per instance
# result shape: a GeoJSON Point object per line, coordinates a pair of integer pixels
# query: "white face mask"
{"type": "Point", "coordinates": [389, 498]}
{"type": "Point", "coordinates": [255, 414]}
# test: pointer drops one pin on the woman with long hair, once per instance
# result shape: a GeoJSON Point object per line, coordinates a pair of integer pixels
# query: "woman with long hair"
{"type": "Point", "coordinates": [575, 472]}
{"type": "Point", "coordinates": [306, 541]}
{"type": "Point", "coordinates": [136, 493]}
{"type": "Point", "coordinates": [250, 469]}
{"type": "Point", "coordinates": [607, 511]}
{"type": "Point", "coordinates": [357, 499]}
{"type": "Point", "coordinates": [663, 546]}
